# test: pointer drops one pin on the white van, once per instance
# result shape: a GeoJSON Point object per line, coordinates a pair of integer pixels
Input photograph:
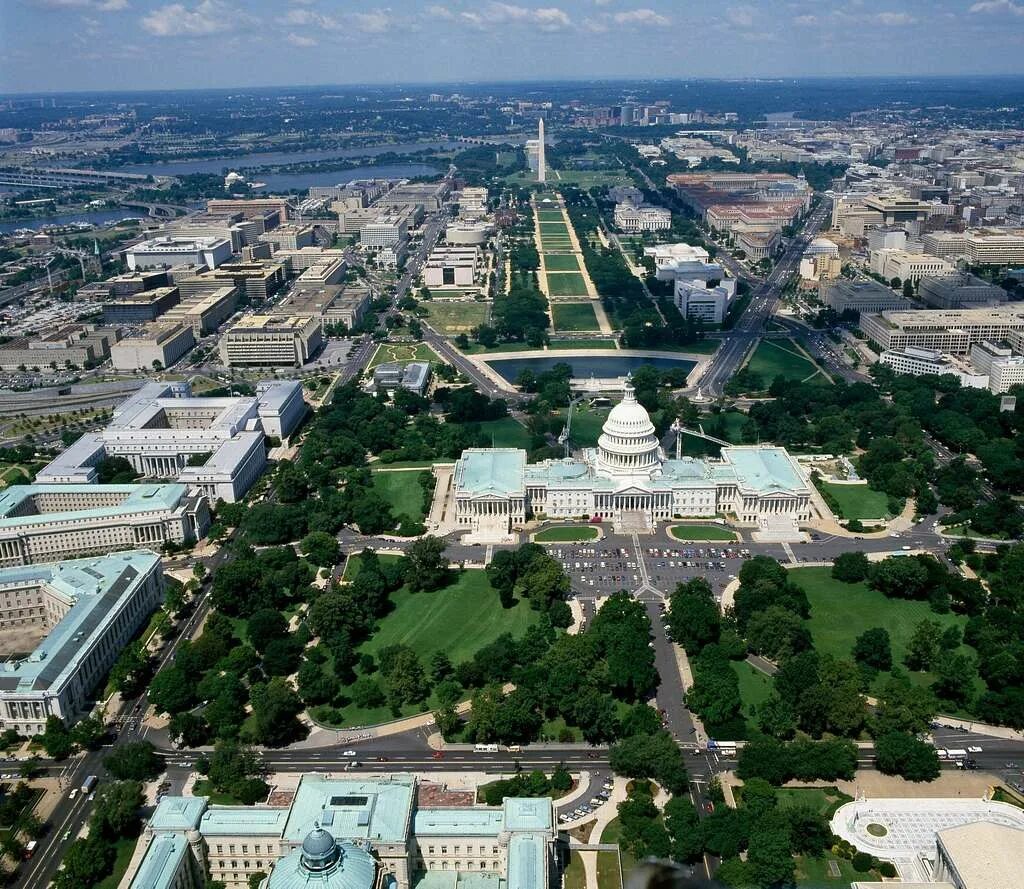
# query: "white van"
{"type": "Point", "coordinates": [485, 748]}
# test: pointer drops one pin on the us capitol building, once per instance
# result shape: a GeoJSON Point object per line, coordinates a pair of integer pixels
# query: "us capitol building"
{"type": "Point", "coordinates": [629, 481]}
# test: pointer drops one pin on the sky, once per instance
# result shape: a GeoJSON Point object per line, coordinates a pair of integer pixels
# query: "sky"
{"type": "Point", "coordinates": [56, 45]}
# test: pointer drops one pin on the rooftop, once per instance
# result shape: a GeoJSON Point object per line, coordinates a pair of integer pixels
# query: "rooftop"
{"type": "Point", "coordinates": [986, 855]}
{"type": "Point", "coordinates": [161, 862]}
{"type": "Point", "coordinates": [491, 471]}
{"type": "Point", "coordinates": [353, 809]}
{"type": "Point", "coordinates": [93, 588]}
{"type": "Point", "coordinates": [137, 498]}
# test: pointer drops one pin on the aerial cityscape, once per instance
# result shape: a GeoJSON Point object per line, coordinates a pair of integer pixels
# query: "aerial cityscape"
{"type": "Point", "coordinates": [492, 447]}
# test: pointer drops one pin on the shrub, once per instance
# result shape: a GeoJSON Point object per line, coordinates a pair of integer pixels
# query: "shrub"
{"type": "Point", "coordinates": [887, 869]}
{"type": "Point", "coordinates": [862, 862]}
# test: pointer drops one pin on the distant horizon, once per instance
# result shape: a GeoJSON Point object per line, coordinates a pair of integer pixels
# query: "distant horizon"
{"type": "Point", "coordinates": [56, 46]}
{"type": "Point", "coordinates": [554, 81]}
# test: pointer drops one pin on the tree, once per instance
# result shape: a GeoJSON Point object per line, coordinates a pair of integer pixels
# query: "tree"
{"type": "Point", "coordinates": [231, 763]}
{"type": "Point", "coordinates": [404, 679]}
{"type": "Point", "coordinates": [264, 626]}
{"type": "Point", "coordinates": [88, 733]}
{"type": "Point", "coordinates": [777, 633]}
{"type": "Point", "coordinates": [172, 691]}
{"type": "Point", "coordinates": [694, 616]}
{"type": "Point", "coordinates": [321, 548]}
{"type": "Point", "coordinates": [367, 693]}
{"type": "Point", "coordinates": [769, 856]}
{"type": "Point", "coordinates": [131, 669]}
{"type": "Point", "coordinates": [898, 753]}
{"type": "Point", "coordinates": [851, 567]}
{"type": "Point", "coordinates": [775, 717]}
{"type": "Point", "coordinates": [924, 644]}
{"type": "Point", "coordinates": [903, 707]}
{"type": "Point", "coordinates": [86, 863]}
{"type": "Point", "coordinates": [900, 578]}
{"type": "Point", "coordinates": [654, 756]}
{"type": "Point", "coordinates": [275, 708]}
{"type": "Point", "coordinates": [135, 761]}
{"type": "Point", "coordinates": [115, 811]}
{"type": "Point", "coordinates": [56, 739]}
{"type": "Point", "coordinates": [874, 648]}
{"type": "Point", "coordinates": [426, 565]}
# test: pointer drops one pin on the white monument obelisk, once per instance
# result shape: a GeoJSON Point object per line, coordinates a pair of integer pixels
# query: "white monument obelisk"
{"type": "Point", "coordinates": [541, 171]}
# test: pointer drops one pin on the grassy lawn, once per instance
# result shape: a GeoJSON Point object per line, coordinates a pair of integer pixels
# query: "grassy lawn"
{"type": "Point", "coordinates": [507, 433]}
{"type": "Point", "coordinates": [456, 317]}
{"type": "Point", "coordinates": [591, 179]}
{"type": "Point", "coordinates": [561, 262]}
{"type": "Point", "coordinates": [858, 501]}
{"type": "Point", "coordinates": [755, 688]}
{"type": "Point", "coordinates": [402, 490]}
{"type": "Point", "coordinates": [840, 612]}
{"type": "Point", "coordinates": [701, 532]}
{"type": "Point", "coordinates": [701, 347]}
{"type": "Point", "coordinates": [825, 799]}
{"type": "Point", "coordinates": [581, 344]}
{"type": "Point", "coordinates": [586, 425]}
{"type": "Point", "coordinates": [404, 352]}
{"type": "Point", "coordinates": [477, 349]}
{"type": "Point", "coordinates": [567, 534]}
{"type": "Point", "coordinates": [125, 846]}
{"type": "Point", "coordinates": [459, 620]}
{"type": "Point", "coordinates": [574, 316]}
{"type": "Point", "coordinates": [566, 284]}
{"type": "Point", "coordinates": [202, 788]}
{"type": "Point", "coordinates": [608, 871]}
{"type": "Point", "coordinates": [354, 563]}
{"type": "Point", "coordinates": [575, 878]}
{"type": "Point", "coordinates": [550, 216]}
{"type": "Point", "coordinates": [814, 873]}
{"type": "Point", "coordinates": [553, 228]}
{"type": "Point", "coordinates": [781, 358]}
{"type": "Point", "coordinates": [612, 834]}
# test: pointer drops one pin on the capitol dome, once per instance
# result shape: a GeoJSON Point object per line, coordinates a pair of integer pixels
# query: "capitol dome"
{"type": "Point", "coordinates": [319, 849]}
{"type": "Point", "coordinates": [325, 862]}
{"type": "Point", "coordinates": [629, 443]}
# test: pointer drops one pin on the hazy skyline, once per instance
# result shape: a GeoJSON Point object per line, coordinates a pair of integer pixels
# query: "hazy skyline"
{"type": "Point", "coordinates": [145, 44]}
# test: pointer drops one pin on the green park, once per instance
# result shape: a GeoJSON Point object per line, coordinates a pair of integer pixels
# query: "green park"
{"type": "Point", "coordinates": [702, 533]}
{"type": "Point", "coordinates": [567, 534]}
{"type": "Point", "coordinates": [566, 284]}
{"type": "Point", "coordinates": [573, 316]}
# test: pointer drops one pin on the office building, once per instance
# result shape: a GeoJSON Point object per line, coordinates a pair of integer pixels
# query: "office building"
{"type": "Point", "coordinates": [140, 307]}
{"type": "Point", "coordinates": [255, 282]}
{"type": "Point", "coordinates": [1004, 368]}
{"type": "Point", "coordinates": [943, 330]}
{"type": "Point", "coordinates": [385, 230]}
{"type": "Point", "coordinates": [450, 267]}
{"type": "Point", "coordinates": [472, 202]}
{"type": "Point", "coordinates": [274, 210]}
{"type": "Point", "coordinates": [290, 237]}
{"type": "Point", "coordinates": [391, 376]}
{"type": "Point", "coordinates": [994, 247]}
{"type": "Point", "coordinates": [980, 856]}
{"type": "Point", "coordinates": [673, 260]}
{"type": "Point", "coordinates": [883, 238]}
{"type": "Point", "coordinates": [75, 345]}
{"type": "Point", "coordinates": [214, 444]}
{"type": "Point", "coordinates": [81, 614]}
{"type": "Point", "coordinates": [47, 523]}
{"type": "Point", "coordinates": [909, 266]}
{"type": "Point", "coordinates": [348, 833]}
{"type": "Point", "coordinates": [328, 270]}
{"type": "Point", "coordinates": [297, 261]}
{"type": "Point", "coordinates": [701, 288]}
{"type": "Point", "coordinates": [204, 310]}
{"type": "Point", "coordinates": [821, 267]}
{"type": "Point", "coordinates": [429, 196]}
{"type": "Point", "coordinates": [917, 362]}
{"type": "Point", "coordinates": [272, 340]}
{"type": "Point", "coordinates": [332, 303]}
{"type": "Point", "coordinates": [167, 252]}
{"type": "Point", "coordinates": [706, 303]}
{"type": "Point", "coordinates": [156, 345]}
{"type": "Point", "coordinates": [124, 285]}
{"type": "Point", "coordinates": [862, 297]}
{"type": "Point", "coordinates": [628, 480]}
{"type": "Point", "coordinates": [946, 245]}
{"type": "Point", "coordinates": [758, 245]}
{"type": "Point", "coordinates": [643, 218]}
{"type": "Point", "coordinates": [960, 291]}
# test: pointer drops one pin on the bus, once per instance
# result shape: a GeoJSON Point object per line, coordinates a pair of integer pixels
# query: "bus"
{"type": "Point", "coordinates": [89, 783]}
{"type": "Point", "coordinates": [722, 748]}
{"type": "Point", "coordinates": [485, 748]}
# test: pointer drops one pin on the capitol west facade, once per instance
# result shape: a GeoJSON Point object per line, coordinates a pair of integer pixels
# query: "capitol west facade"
{"type": "Point", "coordinates": [628, 481]}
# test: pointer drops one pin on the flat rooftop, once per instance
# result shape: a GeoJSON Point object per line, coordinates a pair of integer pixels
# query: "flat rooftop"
{"type": "Point", "coordinates": [136, 498]}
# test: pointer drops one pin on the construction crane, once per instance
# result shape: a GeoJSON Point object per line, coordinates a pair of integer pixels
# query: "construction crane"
{"type": "Point", "coordinates": [563, 438]}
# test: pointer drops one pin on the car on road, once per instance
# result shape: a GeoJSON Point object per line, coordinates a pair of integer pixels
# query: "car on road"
{"type": "Point", "coordinates": [437, 754]}
{"type": "Point", "coordinates": [349, 753]}
{"type": "Point", "coordinates": [975, 749]}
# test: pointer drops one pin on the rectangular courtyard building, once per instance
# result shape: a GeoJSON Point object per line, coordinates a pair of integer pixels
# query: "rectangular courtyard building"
{"type": "Point", "coordinates": [349, 833]}
{"type": "Point", "coordinates": [79, 615]}
{"type": "Point", "coordinates": [47, 523]}
{"type": "Point", "coordinates": [628, 480]}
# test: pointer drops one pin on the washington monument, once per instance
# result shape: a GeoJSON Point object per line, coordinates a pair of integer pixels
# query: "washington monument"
{"type": "Point", "coordinates": [541, 171]}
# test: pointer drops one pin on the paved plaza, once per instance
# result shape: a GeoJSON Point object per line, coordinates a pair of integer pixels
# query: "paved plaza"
{"type": "Point", "coordinates": [903, 830]}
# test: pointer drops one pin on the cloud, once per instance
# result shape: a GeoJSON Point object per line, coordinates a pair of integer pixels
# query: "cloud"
{"type": "Point", "coordinates": [308, 18]}
{"type": "Point", "coordinates": [97, 5]}
{"type": "Point", "coordinates": [643, 16]}
{"type": "Point", "coordinates": [376, 22]}
{"type": "Point", "coordinates": [741, 16]}
{"type": "Point", "coordinates": [300, 41]}
{"type": "Point", "coordinates": [205, 18]}
{"type": "Point", "coordinates": [805, 20]}
{"type": "Point", "coordinates": [440, 12]}
{"type": "Point", "coordinates": [546, 18]}
{"type": "Point", "coordinates": [894, 19]}
{"type": "Point", "coordinates": [999, 6]}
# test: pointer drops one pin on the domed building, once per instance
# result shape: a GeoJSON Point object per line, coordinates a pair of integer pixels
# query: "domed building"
{"type": "Point", "coordinates": [627, 480]}
{"type": "Point", "coordinates": [322, 861]}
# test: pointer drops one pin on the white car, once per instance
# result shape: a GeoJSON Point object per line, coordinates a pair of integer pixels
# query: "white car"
{"type": "Point", "coordinates": [975, 749]}
{"type": "Point", "coordinates": [349, 753]}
